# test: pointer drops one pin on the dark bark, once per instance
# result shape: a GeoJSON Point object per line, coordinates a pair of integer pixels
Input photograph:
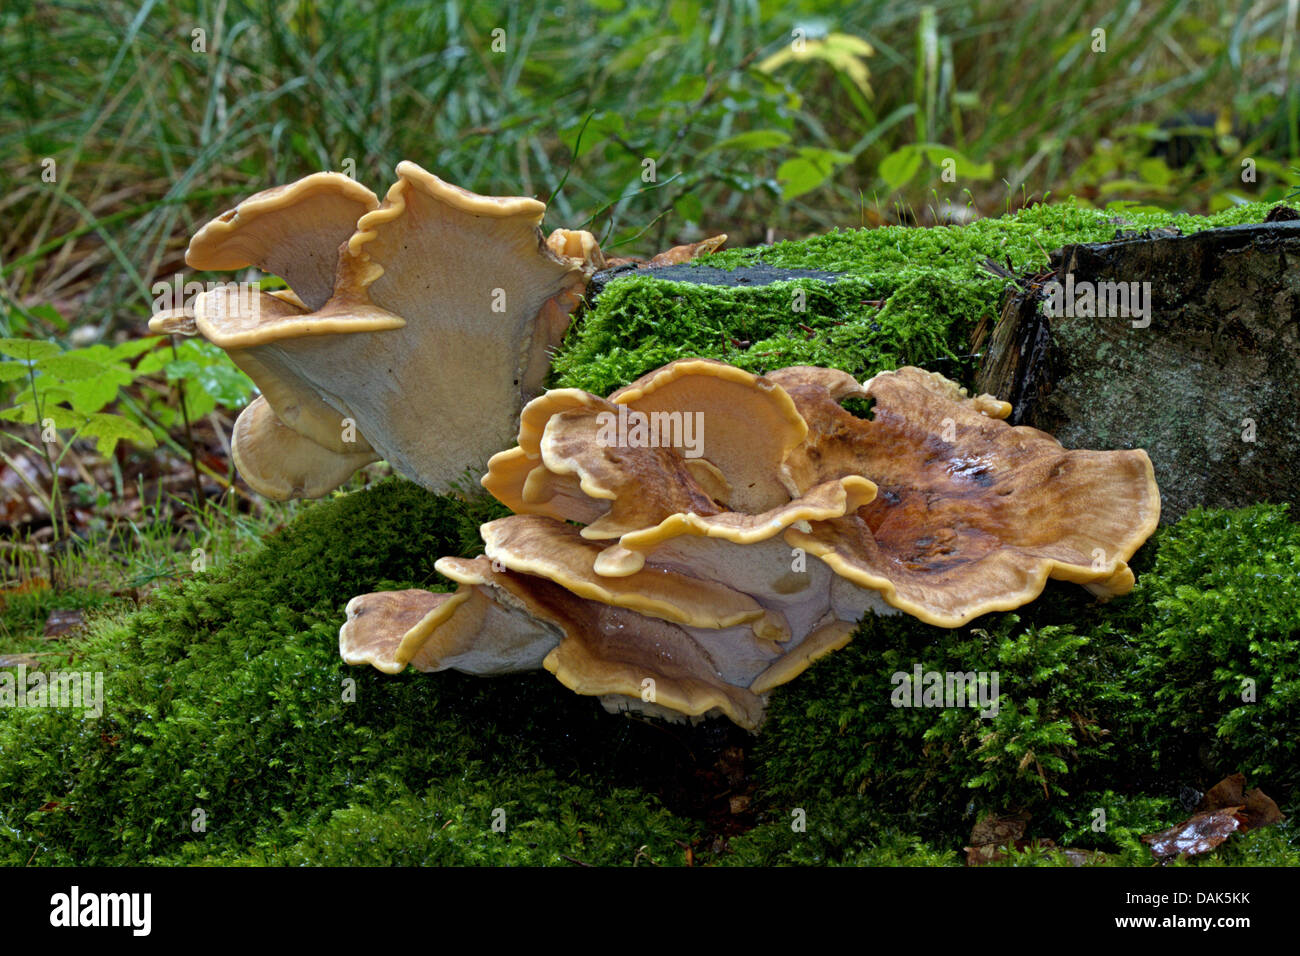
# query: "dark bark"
{"type": "Point", "coordinates": [1210, 388]}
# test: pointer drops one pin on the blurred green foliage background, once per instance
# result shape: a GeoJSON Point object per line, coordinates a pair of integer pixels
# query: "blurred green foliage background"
{"type": "Point", "coordinates": [763, 119]}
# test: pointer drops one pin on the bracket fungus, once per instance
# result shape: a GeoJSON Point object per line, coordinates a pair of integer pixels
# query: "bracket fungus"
{"type": "Point", "coordinates": [412, 330]}
{"type": "Point", "coordinates": [673, 577]}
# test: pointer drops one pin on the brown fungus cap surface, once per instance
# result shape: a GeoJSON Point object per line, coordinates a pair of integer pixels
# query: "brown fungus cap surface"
{"type": "Point", "coordinates": [972, 515]}
{"type": "Point", "coordinates": [745, 424]}
{"type": "Point", "coordinates": [673, 599]}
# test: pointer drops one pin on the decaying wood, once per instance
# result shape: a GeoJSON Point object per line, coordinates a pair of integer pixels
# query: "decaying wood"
{"type": "Point", "coordinates": [1207, 381]}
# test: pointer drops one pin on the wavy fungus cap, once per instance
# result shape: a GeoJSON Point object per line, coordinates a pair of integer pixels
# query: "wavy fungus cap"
{"type": "Point", "coordinates": [413, 329]}
{"type": "Point", "coordinates": [687, 589]}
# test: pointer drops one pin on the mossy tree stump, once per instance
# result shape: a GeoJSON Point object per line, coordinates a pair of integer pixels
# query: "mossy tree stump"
{"type": "Point", "coordinates": [1202, 368]}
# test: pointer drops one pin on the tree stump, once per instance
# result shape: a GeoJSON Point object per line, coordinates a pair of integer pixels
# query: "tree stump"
{"type": "Point", "coordinates": [1196, 359]}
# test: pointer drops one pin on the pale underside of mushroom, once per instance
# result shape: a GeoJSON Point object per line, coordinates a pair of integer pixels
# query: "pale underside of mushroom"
{"type": "Point", "coordinates": [696, 585]}
{"type": "Point", "coordinates": [412, 329]}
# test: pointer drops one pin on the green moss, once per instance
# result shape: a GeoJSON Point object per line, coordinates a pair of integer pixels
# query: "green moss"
{"type": "Point", "coordinates": [840, 831]}
{"type": "Point", "coordinates": [934, 770]}
{"type": "Point", "coordinates": [225, 694]}
{"type": "Point", "coordinates": [1112, 706]}
{"type": "Point", "coordinates": [1272, 846]}
{"type": "Point", "coordinates": [540, 820]}
{"type": "Point", "coordinates": [909, 296]}
{"type": "Point", "coordinates": [640, 324]}
{"type": "Point", "coordinates": [1222, 644]}
{"type": "Point", "coordinates": [956, 251]}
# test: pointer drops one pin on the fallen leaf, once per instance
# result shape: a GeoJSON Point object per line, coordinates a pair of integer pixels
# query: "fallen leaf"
{"type": "Point", "coordinates": [1228, 792]}
{"type": "Point", "coordinates": [993, 837]}
{"type": "Point", "coordinates": [1257, 808]}
{"type": "Point", "coordinates": [1199, 833]}
{"type": "Point", "coordinates": [1260, 810]}
{"type": "Point", "coordinates": [675, 256]}
{"type": "Point", "coordinates": [680, 254]}
{"type": "Point", "coordinates": [1227, 808]}
{"type": "Point", "coordinates": [994, 829]}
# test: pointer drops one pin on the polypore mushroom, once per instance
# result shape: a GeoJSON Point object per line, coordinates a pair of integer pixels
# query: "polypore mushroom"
{"type": "Point", "coordinates": [972, 515]}
{"type": "Point", "coordinates": [934, 506]}
{"type": "Point", "coordinates": [501, 621]}
{"type": "Point", "coordinates": [414, 330]}
{"type": "Point", "coordinates": [740, 492]}
{"type": "Point", "coordinates": [550, 549]}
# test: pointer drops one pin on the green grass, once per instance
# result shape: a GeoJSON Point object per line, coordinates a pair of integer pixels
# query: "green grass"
{"type": "Point", "coordinates": [150, 136]}
{"type": "Point", "coordinates": [116, 562]}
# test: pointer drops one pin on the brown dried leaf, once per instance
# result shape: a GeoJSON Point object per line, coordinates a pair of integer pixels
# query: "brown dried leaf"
{"type": "Point", "coordinates": [675, 256]}
{"type": "Point", "coordinates": [1228, 792]}
{"type": "Point", "coordinates": [680, 254]}
{"type": "Point", "coordinates": [1260, 811]}
{"type": "Point", "coordinates": [993, 836]}
{"type": "Point", "coordinates": [1199, 833]}
{"type": "Point", "coordinates": [1257, 808]}
{"type": "Point", "coordinates": [992, 829]}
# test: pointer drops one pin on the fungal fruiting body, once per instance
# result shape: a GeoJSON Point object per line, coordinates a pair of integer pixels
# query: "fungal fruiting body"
{"type": "Point", "coordinates": [412, 330]}
{"type": "Point", "coordinates": [700, 575]}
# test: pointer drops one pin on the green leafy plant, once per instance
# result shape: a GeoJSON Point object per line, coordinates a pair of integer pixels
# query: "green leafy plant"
{"type": "Point", "coordinates": [68, 391]}
{"type": "Point", "coordinates": [81, 393]}
{"type": "Point", "coordinates": [205, 375]}
{"type": "Point", "coordinates": [901, 166]}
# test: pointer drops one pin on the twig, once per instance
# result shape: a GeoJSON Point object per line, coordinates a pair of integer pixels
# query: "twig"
{"type": "Point", "coordinates": [189, 432]}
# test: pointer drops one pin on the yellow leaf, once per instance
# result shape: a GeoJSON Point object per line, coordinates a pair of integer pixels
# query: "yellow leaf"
{"type": "Point", "coordinates": [843, 52]}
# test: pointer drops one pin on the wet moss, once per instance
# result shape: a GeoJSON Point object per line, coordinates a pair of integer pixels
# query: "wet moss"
{"type": "Point", "coordinates": [233, 733]}
{"type": "Point", "coordinates": [907, 296]}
